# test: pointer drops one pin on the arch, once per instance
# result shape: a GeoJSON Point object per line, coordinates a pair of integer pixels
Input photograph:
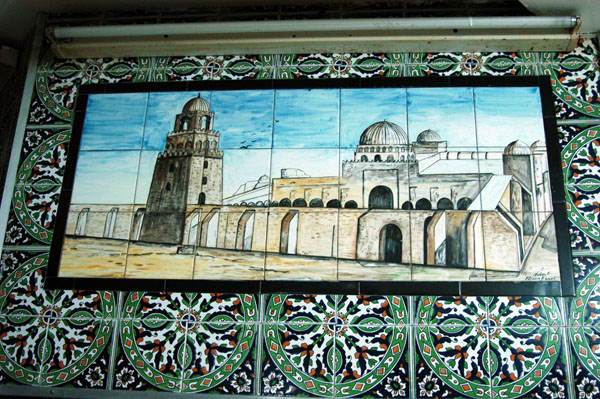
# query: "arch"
{"type": "Point", "coordinates": [423, 204]}
{"type": "Point", "coordinates": [316, 203]}
{"type": "Point", "coordinates": [213, 145]}
{"type": "Point", "coordinates": [445, 204]}
{"type": "Point", "coordinates": [372, 149]}
{"type": "Point", "coordinates": [364, 158]}
{"type": "Point", "coordinates": [381, 197]}
{"type": "Point", "coordinates": [189, 146]}
{"type": "Point", "coordinates": [199, 145]}
{"type": "Point", "coordinates": [285, 202]}
{"type": "Point", "coordinates": [169, 147]}
{"type": "Point", "coordinates": [464, 203]}
{"type": "Point", "coordinates": [194, 228]}
{"type": "Point", "coordinates": [206, 145]}
{"type": "Point", "coordinates": [201, 199]}
{"type": "Point", "coordinates": [377, 158]}
{"type": "Point", "coordinates": [300, 202]}
{"type": "Point", "coordinates": [80, 228]}
{"type": "Point", "coordinates": [402, 159]}
{"type": "Point", "coordinates": [210, 229]}
{"type": "Point", "coordinates": [333, 203]}
{"type": "Point", "coordinates": [168, 187]}
{"type": "Point", "coordinates": [185, 122]}
{"type": "Point", "coordinates": [204, 179]}
{"type": "Point", "coordinates": [390, 244]}
{"type": "Point", "coordinates": [351, 204]}
{"type": "Point", "coordinates": [274, 203]}
{"type": "Point", "coordinates": [204, 123]}
{"type": "Point", "coordinates": [171, 167]}
{"type": "Point", "coordinates": [111, 221]}
{"type": "Point", "coordinates": [289, 233]}
{"type": "Point", "coordinates": [136, 226]}
{"type": "Point", "coordinates": [390, 158]}
{"type": "Point", "coordinates": [245, 231]}
{"type": "Point", "coordinates": [179, 146]}
{"type": "Point", "coordinates": [407, 205]}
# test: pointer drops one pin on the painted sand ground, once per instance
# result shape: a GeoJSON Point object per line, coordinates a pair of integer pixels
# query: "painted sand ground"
{"type": "Point", "coordinates": [109, 258]}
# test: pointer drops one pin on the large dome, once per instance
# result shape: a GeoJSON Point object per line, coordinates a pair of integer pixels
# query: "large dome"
{"type": "Point", "coordinates": [428, 136]}
{"type": "Point", "coordinates": [196, 104]}
{"type": "Point", "coordinates": [517, 148]}
{"type": "Point", "coordinates": [383, 133]}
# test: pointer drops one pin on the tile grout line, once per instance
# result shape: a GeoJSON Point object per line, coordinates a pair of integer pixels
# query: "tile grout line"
{"type": "Point", "coordinates": [412, 364]}
{"type": "Point", "coordinates": [116, 339]}
{"type": "Point", "coordinates": [258, 362]}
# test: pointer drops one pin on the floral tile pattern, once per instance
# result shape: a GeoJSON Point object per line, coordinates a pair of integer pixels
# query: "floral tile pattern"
{"type": "Point", "coordinates": [528, 360]}
{"type": "Point", "coordinates": [301, 345]}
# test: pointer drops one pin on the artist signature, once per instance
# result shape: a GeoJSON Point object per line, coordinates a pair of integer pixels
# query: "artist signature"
{"type": "Point", "coordinates": [540, 276]}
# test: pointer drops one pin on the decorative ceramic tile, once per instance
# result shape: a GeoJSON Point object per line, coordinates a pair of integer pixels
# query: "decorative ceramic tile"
{"type": "Point", "coordinates": [149, 355]}
{"type": "Point", "coordinates": [40, 113]}
{"type": "Point", "coordinates": [440, 64]}
{"type": "Point", "coordinates": [452, 361]}
{"type": "Point", "coordinates": [22, 293]}
{"type": "Point", "coordinates": [23, 348]}
{"type": "Point", "coordinates": [160, 307]}
{"type": "Point", "coordinates": [451, 311]}
{"type": "Point", "coordinates": [299, 358]}
{"type": "Point", "coordinates": [219, 357]}
{"type": "Point", "coordinates": [528, 360]}
{"type": "Point", "coordinates": [575, 86]}
{"type": "Point", "coordinates": [501, 64]}
{"type": "Point", "coordinates": [584, 341]}
{"type": "Point", "coordinates": [583, 308]}
{"type": "Point", "coordinates": [78, 351]}
{"type": "Point", "coordinates": [583, 266]}
{"type": "Point", "coordinates": [11, 260]}
{"type": "Point", "coordinates": [581, 241]}
{"type": "Point", "coordinates": [226, 308]}
{"type": "Point", "coordinates": [372, 342]}
{"type": "Point", "coordinates": [43, 158]}
{"type": "Point", "coordinates": [585, 381]}
{"type": "Point", "coordinates": [518, 311]}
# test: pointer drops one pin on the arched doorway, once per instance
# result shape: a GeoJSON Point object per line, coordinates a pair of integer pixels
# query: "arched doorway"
{"type": "Point", "coordinates": [390, 244]}
{"type": "Point", "coordinates": [245, 231]}
{"type": "Point", "coordinates": [381, 197]}
{"type": "Point", "coordinates": [289, 233]}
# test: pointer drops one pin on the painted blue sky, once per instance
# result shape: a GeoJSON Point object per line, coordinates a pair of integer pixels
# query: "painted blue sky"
{"type": "Point", "coordinates": [123, 133]}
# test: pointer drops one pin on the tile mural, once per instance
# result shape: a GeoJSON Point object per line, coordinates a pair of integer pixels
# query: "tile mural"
{"type": "Point", "coordinates": [296, 345]}
{"type": "Point", "coordinates": [430, 183]}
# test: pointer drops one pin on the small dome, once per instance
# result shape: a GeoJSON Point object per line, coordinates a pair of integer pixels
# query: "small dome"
{"type": "Point", "coordinates": [428, 136]}
{"type": "Point", "coordinates": [196, 104]}
{"type": "Point", "coordinates": [383, 133]}
{"type": "Point", "coordinates": [538, 147]}
{"type": "Point", "coordinates": [517, 148]}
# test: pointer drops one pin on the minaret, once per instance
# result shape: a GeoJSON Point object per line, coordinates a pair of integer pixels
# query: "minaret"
{"type": "Point", "coordinates": [188, 172]}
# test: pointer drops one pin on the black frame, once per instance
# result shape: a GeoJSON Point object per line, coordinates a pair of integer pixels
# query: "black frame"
{"type": "Point", "coordinates": [564, 287]}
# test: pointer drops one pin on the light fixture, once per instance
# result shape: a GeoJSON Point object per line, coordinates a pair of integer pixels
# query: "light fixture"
{"type": "Point", "coordinates": [326, 35]}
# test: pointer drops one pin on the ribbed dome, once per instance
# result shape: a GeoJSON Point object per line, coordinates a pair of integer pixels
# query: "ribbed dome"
{"type": "Point", "coordinates": [428, 136]}
{"type": "Point", "coordinates": [383, 133]}
{"type": "Point", "coordinates": [538, 147]}
{"type": "Point", "coordinates": [196, 104]}
{"type": "Point", "coordinates": [517, 148]}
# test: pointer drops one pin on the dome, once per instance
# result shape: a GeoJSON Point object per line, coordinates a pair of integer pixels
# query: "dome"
{"type": "Point", "coordinates": [538, 147]}
{"type": "Point", "coordinates": [428, 136]}
{"type": "Point", "coordinates": [196, 104]}
{"type": "Point", "coordinates": [517, 148]}
{"type": "Point", "coordinates": [383, 133]}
